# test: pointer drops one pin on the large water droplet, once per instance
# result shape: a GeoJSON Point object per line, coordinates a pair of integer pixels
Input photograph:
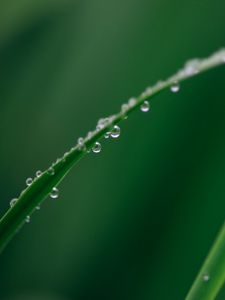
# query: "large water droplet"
{"type": "Point", "coordinates": [13, 202]}
{"type": "Point", "coordinates": [115, 132]}
{"type": "Point", "coordinates": [54, 193]}
{"type": "Point", "coordinates": [97, 147]}
{"type": "Point", "coordinates": [51, 171]}
{"type": "Point", "coordinates": [38, 173]}
{"type": "Point", "coordinates": [206, 277]}
{"type": "Point", "coordinates": [145, 106]}
{"type": "Point", "coordinates": [29, 181]}
{"type": "Point", "coordinates": [175, 87]}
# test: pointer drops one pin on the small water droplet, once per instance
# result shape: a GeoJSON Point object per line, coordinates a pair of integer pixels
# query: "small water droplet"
{"type": "Point", "coordinates": [192, 66]}
{"type": "Point", "coordinates": [124, 108]}
{"type": "Point", "coordinates": [57, 160]}
{"type": "Point", "coordinates": [38, 173]}
{"type": "Point", "coordinates": [13, 202]}
{"type": "Point", "coordinates": [107, 134]}
{"type": "Point", "coordinates": [97, 147]}
{"type": "Point", "coordinates": [27, 220]}
{"type": "Point", "coordinates": [175, 87]}
{"type": "Point", "coordinates": [38, 207]}
{"type": "Point", "coordinates": [148, 91]}
{"type": "Point", "coordinates": [81, 144]}
{"type": "Point", "coordinates": [89, 135]}
{"type": "Point", "coordinates": [29, 181]}
{"type": "Point", "coordinates": [51, 171]}
{"type": "Point", "coordinates": [132, 102]}
{"type": "Point", "coordinates": [206, 277]}
{"type": "Point", "coordinates": [145, 106]}
{"type": "Point", "coordinates": [54, 193]}
{"type": "Point", "coordinates": [115, 132]}
{"type": "Point", "coordinates": [159, 84]}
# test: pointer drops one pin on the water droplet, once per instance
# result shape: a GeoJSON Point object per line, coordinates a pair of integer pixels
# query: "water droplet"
{"type": "Point", "coordinates": [223, 58]}
{"type": "Point", "coordinates": [38, 207]}
{"type": "Point", "coordinates": [175, 87]}
{"type": "Point", "coordinates": [89, 135]}
{"type": "Point", "coordinates": [81, 144]}
{"type": "Point", "coordinates": [57, 161]}
{"type": "Point", "coordinates": [97, 147]}
{"type": "Point", "coordinates": [107, 134]}
{"type": "Point", "coordinates": [13, 202]}
{"type": "Point", "coordinates": [124, 108]}
{"type": "Point", "coordinates": [132, 102]}
{"type": "Point", "coordinates": [159, 84]}
{"type": "Point", "coordinates": [192, 66]}
{"type": "Point", "coordinates": [145, 106]}
{"type": "Point", "coordinates": [27, 220]}
{"type": "Point", "coordinates": [115, 133]}
{"type": "Point", "coordinates": [206, 277]}
{"type": "Point", "coordinates": [38, 173]}
{"type": "Point", "coordinates": [148, 91]}
{"type": "Point", "coordinates": [51, 171]}
{"type": "Point", "coordinates": [101, 123]}
{"type": "Point", "coordinates": [54, 193]}
{"type": "Point", "coordinates": [29, 181]}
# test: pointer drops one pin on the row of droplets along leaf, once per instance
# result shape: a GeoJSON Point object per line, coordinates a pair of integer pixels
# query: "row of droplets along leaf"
{"type": "Point", "coordinates": [54, 193]}
{"type": "Point", "coordinates": [191, 68]}
{"type": "Point", "coordinates": [111, 130]}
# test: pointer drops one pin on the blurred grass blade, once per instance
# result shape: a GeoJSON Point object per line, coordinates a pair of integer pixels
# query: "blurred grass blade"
{"type": "Point", "coordinates": [42, 186]}
{"type": "Point", "coordinates": [212, 274]}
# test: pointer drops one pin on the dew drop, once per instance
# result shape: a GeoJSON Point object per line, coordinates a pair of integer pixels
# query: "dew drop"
{"type": "Point", "coordinates": [148, 91]}
{"type": "Point", "coordinates": [145, 106]}
{"type": "Point", "coordinates": [175, 87]}
{"type": "Point", "coordinates": [132, 102]}
{"type": "Point", "coordinates": [38, 173]}
{"type": "Point", "coordinates": [192, 67]}
{"type": "Point", "coordinates": [206, 277]}
{"type": "Point", "coordinates": [97, 147]}
{"type": "Point", "coordinates": [89, 135]}
{"type": "Point", "coordinates": [124, 108]}
{"type": "Point", "coordinates": [51, 171]}
{"type": "Point", "coordinates": [27, 220]}
{"type": "Point", "coordinates": [81, 144]}
{"type": "Point", "coordinates": [29, 181]}
{"type": "Point", "coordinates": [54, 193]}
{"type": "Point", "coordinates": [13, 202]}
{"type": "Point", "coordinates": [107, 134]}
{"type": "Point", "coordinates": [38, 207]}
{"type": "Point", "coordinates": [115, 133]}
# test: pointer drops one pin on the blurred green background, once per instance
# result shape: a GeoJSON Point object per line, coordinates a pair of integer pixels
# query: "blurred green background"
{"type": "Point", "coordinates": [135, 221]}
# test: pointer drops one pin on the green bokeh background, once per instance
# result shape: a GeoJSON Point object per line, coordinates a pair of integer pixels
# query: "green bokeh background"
{"type": "Point", "coordinates": [136, 221]}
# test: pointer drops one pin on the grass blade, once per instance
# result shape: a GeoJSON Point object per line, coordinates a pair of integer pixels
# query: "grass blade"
{"type": "Point", "coordinates": [42, 186]}
{"type": "Point", "coordinates": [212, 274]}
